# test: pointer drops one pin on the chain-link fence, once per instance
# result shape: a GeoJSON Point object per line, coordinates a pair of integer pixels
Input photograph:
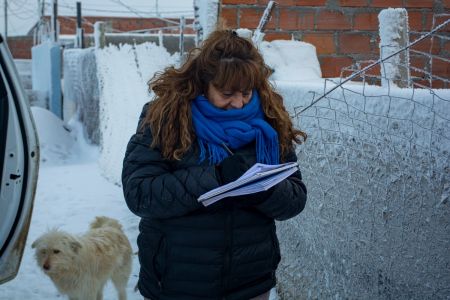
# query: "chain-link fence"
{"type": "Point", "coordinates": [377, 165]}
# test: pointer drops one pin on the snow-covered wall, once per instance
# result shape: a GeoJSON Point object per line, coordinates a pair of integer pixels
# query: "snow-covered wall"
{"type": "Point", "coordinates": [123, 73]}
{"type": "Point", "coordinates": [377, 222]}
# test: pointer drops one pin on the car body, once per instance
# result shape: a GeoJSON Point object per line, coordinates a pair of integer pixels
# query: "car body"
{"type": "Point", "coordinates": [19, 162]}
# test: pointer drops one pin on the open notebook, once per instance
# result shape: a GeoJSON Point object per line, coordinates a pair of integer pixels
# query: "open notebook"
{"type": "Point", "coordinates": [258, 178]}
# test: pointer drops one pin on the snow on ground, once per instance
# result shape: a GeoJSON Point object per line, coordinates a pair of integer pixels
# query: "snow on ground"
{"type": "Point", "coordinates": [70, 193]}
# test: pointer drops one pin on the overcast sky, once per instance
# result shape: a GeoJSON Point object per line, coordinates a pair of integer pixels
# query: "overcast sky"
{"type": "Point", "coordinates": [23, 14]}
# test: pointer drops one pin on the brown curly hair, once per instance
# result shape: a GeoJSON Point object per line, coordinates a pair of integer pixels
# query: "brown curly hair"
{"type": "Point", "coordinates": [228, 62]}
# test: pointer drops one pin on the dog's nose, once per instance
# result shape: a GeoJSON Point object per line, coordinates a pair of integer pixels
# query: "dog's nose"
{"type": "Point", "coordinates": [46, 266]}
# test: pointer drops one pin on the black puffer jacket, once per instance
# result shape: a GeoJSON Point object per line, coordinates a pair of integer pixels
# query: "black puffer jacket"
{"type": "Point", "coordinates": [228, 250]}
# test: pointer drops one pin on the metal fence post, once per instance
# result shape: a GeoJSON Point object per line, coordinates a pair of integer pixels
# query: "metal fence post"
{"type": "Point", "coordinates": [182, 25]}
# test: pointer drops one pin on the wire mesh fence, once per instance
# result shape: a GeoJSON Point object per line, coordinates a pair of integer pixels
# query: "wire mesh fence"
{"type": "Point", "coordinates": [377, 164]}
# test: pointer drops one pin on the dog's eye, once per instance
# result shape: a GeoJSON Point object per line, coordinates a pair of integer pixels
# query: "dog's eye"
{"type": "Point", "coordinates": [56, 251]}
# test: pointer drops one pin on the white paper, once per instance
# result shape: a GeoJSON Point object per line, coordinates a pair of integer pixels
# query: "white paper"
{"type": "Point", "coordinates": [258, 178]}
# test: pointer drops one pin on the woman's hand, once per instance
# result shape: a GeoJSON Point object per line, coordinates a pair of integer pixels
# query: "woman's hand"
{"type": "Point", "coordinates": [231, 168]}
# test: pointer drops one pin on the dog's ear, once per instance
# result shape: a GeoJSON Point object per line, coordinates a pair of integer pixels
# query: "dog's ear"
{"type": "Point", "coordinates": [75, 246]}
{"type": "Point", "coordinates": [35, 243]}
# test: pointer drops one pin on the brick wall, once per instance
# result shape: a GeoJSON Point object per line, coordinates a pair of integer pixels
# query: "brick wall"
{"type": "Point", "coordinates": [343, 31]}
{"type": "Point", "coordinates": [20, 46]}
{"type": "Point", "coordinates": [68, 24]}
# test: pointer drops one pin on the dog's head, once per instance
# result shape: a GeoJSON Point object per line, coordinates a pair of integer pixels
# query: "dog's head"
{"type": "Point", "coordinates": [56, 251]}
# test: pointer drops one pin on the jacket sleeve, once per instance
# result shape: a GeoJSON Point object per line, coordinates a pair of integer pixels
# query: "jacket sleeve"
{"type": "Point", "coordinates": [152, 189]}
{"type": "Point", "coordinates": [288, 198]}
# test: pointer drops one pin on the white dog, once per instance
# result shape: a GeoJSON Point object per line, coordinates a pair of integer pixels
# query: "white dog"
{"type": "Point", "coordinates": [80, 266]}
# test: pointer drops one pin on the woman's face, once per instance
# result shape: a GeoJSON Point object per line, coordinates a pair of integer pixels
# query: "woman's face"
{"type": "Point", "coordinates": [228, 99]}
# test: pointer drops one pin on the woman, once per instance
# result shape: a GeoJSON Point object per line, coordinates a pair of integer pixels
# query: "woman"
{"type": "Point", "coordinates": [210, 121]}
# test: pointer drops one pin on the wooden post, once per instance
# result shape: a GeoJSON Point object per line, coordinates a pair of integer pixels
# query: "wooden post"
{"type": "Point", "coordinates": [99, 35]}
{"type": "Point", "coordinates": [79, 41]}
{"type": "Point", "coordinates": [54, 20]}
{"type": "Point", "coordinates": [393, 37]}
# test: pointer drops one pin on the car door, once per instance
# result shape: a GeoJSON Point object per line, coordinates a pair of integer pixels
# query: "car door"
{"type": "Point", "coordinates": [19, 162]}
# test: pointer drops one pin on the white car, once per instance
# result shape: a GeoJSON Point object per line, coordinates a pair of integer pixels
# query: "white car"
{"type": "Point", "coordinates": [19, 164]}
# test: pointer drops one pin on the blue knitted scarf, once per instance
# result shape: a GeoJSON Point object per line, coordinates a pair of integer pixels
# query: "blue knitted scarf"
{"type": "Point", "coordinates": [219, 130]}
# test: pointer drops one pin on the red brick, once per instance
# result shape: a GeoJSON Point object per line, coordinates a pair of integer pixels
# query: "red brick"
{"type": "Point", "coordinates": [332, 66]}
{"type": "Point", "coordinates": [365, 21]}
{"type": "Point", "coordinates": [20, 47]}
{"type": "Point", "coordinates": [440, 68]}
{"type": "Point", "coordinates": [68, 24]}
{"type": "Point", "coordinates": [310, 2]}
{"type": "Point", "coordinates": [426, 46]}
{"type": "Point", "coordinates": [447, 47]}
{"type": "Point", "coordinates": [374, 71]}
{"type": "Point", "coordinates": [239, 1]}
{"type": "Point", "coordinates": [354, 43]}
{"type": "Point", "coordinates": [249, 18]}
{"type": "Point", "coordinates": [420, 62]}
{"type": "Point", "coordinates": [376, 47]}
{"type": "Point", "coordinates": [422, 82]}
{"type": "Point", "coordinates": [440, 20]}
{"type": "Point", "coordinates": [290, 3]}
{"type": "Point", "coordinates": [306, 20]}
{"type": "Point", "coordinates": [415, 20]}
{"type": "Point", "coordinates": [387, 3]}
{"type": "Point", "coordinates": [288, 19]}
{"type": "Point", "coordinates": [428, 18]}
{"type": "Point", "coordinates": [270, 36]}
{"type": "Point", "coordinates": [332, 20]}
{"type": "Point", "coordinates": [439, 84]}
{"type": "Point", "coordinates": [295, 20]}
{"type": "Point", "coordinates": [324, 42]}
{"type": "Point", "coordinates": [419, 3]}
{"type": "Point", "coordinates": [447, 3]}
{"type": "Point", "coordinates": [353, 3]}
{"type": "Point", "coordinates": [229, 16]}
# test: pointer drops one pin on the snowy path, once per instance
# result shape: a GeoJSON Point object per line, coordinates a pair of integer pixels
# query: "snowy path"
{"type": "Point", "coordinates": [71, 191]}
{"type": "Point", "coordinates": [69, 196]}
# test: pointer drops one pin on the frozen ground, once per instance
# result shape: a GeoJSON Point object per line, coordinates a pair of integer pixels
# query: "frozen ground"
{"type": "Point", "coordinates": [71, 192]}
